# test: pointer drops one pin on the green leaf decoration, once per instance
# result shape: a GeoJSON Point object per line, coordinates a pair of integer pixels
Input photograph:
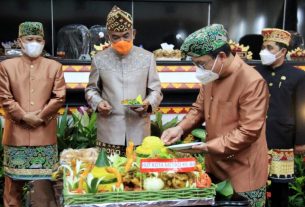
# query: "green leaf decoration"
{"type": "Point", "coordinates": [157, 126]}
{"type": "Point", "coordinates": [171, 123]}
{"type": "Point", "coordinates": [225, 188]}
{"type": "Point", "coordinates": [102, 159]}
{"type": "Point", "coordinates": [199, 133]}
{"type": "Point", "coordinates": [63, 123]}
{"type": "Point", "coordinates": [159, 120]}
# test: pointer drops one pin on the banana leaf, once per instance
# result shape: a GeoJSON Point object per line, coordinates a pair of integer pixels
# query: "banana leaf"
{"type": "Point", "coordinates": [199, 133]}
{"type": "Point", "coordinates": [225, 188]}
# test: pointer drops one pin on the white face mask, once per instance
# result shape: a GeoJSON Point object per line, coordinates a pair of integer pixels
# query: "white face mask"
{"type": "Point", "coordinates": [32, 49]}
{"type": "Point", "coordinates": [267, 57]}
{"type": "Point", "coordinates": [206, 76]}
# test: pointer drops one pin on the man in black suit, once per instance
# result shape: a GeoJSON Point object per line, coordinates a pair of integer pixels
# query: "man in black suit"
{"type": "Point", "coordinates": [286, 115]}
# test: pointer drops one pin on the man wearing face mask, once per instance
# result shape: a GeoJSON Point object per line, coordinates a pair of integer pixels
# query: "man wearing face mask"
{"type": "Point", "coordinates": [122, 71]}
{"type": "Point", "coordinates": [233, 103]}
{"type": "Point", "coordinates": [285, 118]}
{"type": "Point", "coordinates": [32, 90]}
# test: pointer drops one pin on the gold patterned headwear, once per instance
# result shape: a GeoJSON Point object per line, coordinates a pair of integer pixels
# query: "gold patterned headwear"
{"type": "Point", "coordinates": [276, 35]}
{"type": "Point", "coordinates": [119, 20]}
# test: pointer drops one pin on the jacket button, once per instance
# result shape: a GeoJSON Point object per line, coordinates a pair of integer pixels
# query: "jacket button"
{"type": "Point", "coordinates": [32, 66]}
{"type": "Point", "coordinates": [32, 90]}
{"type": "Point", "coordinates": [32, 103]}
{"type": "Point", "coordinates": [270, 84]}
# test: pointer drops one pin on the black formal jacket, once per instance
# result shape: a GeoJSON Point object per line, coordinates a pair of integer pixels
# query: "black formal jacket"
{"type": "Point", "coordinates": [286, 114]}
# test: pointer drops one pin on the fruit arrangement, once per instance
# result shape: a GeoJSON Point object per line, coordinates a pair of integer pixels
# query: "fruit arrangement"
{"type": "Point", "coordinates": [241, 50]}
{"type": "Point", "coordinates": [121, 174]}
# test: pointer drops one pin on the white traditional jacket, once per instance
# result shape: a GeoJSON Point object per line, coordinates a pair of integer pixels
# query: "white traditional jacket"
{"type": "Point", "coordinates": [114, 78]}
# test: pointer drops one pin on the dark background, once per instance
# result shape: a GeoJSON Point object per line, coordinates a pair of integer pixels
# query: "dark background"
{"type": "Point", "coordinates": [155, 21]}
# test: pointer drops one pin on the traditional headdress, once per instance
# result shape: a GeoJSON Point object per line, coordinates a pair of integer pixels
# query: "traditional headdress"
{"type": "Point", "coordinates": [205, 40]}
{"type": "Point", "coordinates": [276, 35]}
{"type": "Point", "coordinates": [119, 20]}
{"type": "Point", "coordinates": [30, 28]}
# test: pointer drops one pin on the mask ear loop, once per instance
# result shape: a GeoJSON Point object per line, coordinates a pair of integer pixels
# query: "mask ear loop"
{"type": "Point", "coordinates": [278, 53]}
{"type": "Point", "coordinates": [200, 67]}
{"type": "Point", "coordinates": [214, 65]}
{"type": "Point", "coordinates": [22, 43]}
{"type": "Point", "coordinates": [220, 69]}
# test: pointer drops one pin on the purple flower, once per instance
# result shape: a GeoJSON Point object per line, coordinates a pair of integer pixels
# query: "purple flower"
{"type": "Point", "coordinates": [82, 109]}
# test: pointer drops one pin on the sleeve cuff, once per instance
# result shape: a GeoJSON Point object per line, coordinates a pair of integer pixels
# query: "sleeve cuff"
{"type": "Point", "coordinates": [95, 103]}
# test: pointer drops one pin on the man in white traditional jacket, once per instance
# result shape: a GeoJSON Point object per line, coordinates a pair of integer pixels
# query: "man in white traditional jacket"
{"type": "Point", "coordinates": [122, 71]}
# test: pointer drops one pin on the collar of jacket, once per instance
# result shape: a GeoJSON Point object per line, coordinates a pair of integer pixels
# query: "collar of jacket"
{"type": "Point", "coordinates": [277, 68]}
{"type": "Point", "coordinates": [29, 61]}
{"type": "Point", "coordinates": [235, 64]}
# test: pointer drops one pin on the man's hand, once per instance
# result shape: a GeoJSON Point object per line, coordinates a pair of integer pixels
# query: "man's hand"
{"type": "Point", "coordinates": [196, 149]}
{"type": "Point", "coordinates": [201, 148]}
{"type": "Point", "coordinates": [104, 108]}
{"type": "Point", "coordinates": [142, 109]}
{"type": "Point", "coordinates": [299, 149]}
{"type": "Point", "coordinates": [172, 135]}
{"type": "Point", "coordinates": [32, 119]}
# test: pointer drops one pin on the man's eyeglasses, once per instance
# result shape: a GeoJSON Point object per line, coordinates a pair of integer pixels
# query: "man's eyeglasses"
{"type": "Point", "coordinates": [202, 66]}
